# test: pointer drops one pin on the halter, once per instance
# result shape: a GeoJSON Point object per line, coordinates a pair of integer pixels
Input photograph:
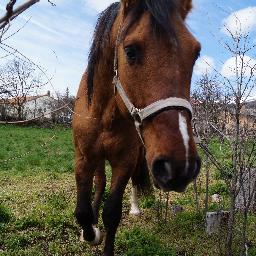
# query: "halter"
{"type": "Point", "coordinates": [140, 115]}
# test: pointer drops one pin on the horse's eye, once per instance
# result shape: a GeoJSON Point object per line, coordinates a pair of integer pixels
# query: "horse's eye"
{"type": "Point", "coordinates": [198, 55]}
{"type": "Point", "coordinates": [132, 53]}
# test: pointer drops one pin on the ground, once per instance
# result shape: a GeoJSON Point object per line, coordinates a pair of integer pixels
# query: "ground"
{"type": "Point", "coordinates": [37, 201]}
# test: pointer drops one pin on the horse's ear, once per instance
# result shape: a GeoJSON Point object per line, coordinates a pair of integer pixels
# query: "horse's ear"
{"type": "Point", "coordinates": [186, 6]}
{"type": "Point", "coordinates": [126, 4]}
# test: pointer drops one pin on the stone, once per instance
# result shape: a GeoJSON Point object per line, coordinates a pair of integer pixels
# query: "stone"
{"type": "Point", "coordinates": [177, 209]}
{"type": "Point", "coordinates": [216, 198]}
{"type": "Point", "coordinates": [215, 221]}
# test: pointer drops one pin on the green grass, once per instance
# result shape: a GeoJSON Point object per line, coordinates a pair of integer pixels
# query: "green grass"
{"type": "Point", "coordinates": [38, 195]}
{"type": "Point", "coordinates": [140, 242]}
{"type": "Point", "coordinates": [33, 148]}
{"type": "Point", "coordinates": [5, 214]}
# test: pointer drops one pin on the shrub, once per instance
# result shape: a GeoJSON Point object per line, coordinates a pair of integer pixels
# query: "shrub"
{"type": "Point", "coordinates": [219, 188]}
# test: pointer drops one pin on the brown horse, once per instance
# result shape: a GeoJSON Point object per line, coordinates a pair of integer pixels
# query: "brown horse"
{"type": "Point", "coordinates": [133, 109]}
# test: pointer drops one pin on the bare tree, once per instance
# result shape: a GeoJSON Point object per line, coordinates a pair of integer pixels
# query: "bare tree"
{"type": "Point", "coordinates": [18, 80]}
{"type": "Point", "coordinates": [64, 115]}
{"type": "Point", "coordinates": [241, 83]}
{"type": "Point", "coordinates": [225, 116]}
{"type": "Point", "coordinates": [208, 102]}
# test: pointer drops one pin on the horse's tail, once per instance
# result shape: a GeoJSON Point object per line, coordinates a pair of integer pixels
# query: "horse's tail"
{"type": "Point", "coordinates": [141, 178]}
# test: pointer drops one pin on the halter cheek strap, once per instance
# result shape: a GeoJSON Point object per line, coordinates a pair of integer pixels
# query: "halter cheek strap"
{"type": "Point", "coordinates": [139, 115]}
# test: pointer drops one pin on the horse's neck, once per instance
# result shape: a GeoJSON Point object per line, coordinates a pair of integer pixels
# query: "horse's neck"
{"type": "Point", "coordinates": [103, 95]}
{"type": "Point", "coordinates": [105, 70]}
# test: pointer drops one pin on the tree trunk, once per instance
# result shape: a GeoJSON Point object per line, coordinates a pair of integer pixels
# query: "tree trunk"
{"type": "Point", "coordinates": [206, 202]}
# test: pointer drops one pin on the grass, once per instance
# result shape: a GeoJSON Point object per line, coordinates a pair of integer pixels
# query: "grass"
{"type": "Point", "coordinates": [33, 149]}
{"type": "Point", "coordinates": [138, 241]}
{"type": "Point", "coordinates": [37, 201]}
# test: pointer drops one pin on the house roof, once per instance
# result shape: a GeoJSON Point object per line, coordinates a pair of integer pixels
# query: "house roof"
{"type": "Point", "coordinates": [14, 101]}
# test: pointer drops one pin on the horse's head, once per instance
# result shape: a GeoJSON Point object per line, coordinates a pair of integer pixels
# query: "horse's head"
{"type": "Point", "coordinates": [156, 54]}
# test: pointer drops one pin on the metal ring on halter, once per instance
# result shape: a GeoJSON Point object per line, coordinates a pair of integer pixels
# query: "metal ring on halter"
{"type": "Point", "coordinates": [135, 113]}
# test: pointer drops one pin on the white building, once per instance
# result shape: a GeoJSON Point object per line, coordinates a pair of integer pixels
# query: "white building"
{"type": "Point", "coordinates": [31, 107]}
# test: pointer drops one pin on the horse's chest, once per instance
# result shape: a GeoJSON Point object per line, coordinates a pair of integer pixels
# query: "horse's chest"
{"type": "Point", "coordinates": [121, 136]}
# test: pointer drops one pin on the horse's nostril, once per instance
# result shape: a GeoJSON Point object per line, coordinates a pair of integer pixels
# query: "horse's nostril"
{"type": "Point", "coordinates": [168, 167]}
{"type": "Point", "coordinates": [162, 170]}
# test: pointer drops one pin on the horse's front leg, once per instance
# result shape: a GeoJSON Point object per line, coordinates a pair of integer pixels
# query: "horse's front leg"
{"type": "Point", "coordinates": [112, 211]}
{"type": "Point", "coordinates": [135, 210]}
{"type": "Point", "coordinates": [84, 212]}
{"type": "Point", "coordinates": [100, 184]}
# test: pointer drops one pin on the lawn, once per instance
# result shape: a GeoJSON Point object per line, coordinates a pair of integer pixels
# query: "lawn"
{"type": "Point", "coordinates": [37, 201]}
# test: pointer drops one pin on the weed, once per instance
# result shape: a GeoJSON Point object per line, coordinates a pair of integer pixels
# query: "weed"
{"type": "Point", "coordinates": [15, 242]}
{"type": "Point", "coordinates": [252, 252]}
{"type": "Point", "coordinates": [140, 242]}
{"type": "Point", "coordinates": [219, 188]}
{"type": "Point", "coordinates": [147, 201]}
{"type": "Point", "coordinates": [185, 200]}
{"type": "Point", "coordinates": [58, 201]}
{"type": "Point", "coordinates": [31, 221]}
{"type": "Point", "coordinates": [5, 214]}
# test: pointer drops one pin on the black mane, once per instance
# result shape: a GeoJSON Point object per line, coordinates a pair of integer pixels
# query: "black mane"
{"type": "Point", "coordinates": [160, 11]}
{"type": "Point", "coordinates": [100, 39]}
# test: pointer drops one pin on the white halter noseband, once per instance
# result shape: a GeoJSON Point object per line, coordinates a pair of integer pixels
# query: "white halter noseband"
{"type": "Point", "coordinates": [139, 115]}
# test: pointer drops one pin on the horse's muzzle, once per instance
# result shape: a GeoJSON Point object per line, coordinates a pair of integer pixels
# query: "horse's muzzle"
{"type": "Point", "coordinates": [172, 176]}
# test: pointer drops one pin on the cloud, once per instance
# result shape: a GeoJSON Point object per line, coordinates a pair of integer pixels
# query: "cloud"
{"type": "Point", "coordinates": [97, 5]}
{"type": "Point", "coordinates": [240, 22]}
{"type": "Point", "coordinates": [204, 65]}
{"type": "Point", "coordinates": [230, 68]}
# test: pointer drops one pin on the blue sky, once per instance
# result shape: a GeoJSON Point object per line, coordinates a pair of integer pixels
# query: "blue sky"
{"type": "Point", "coordinates": [58, 38]}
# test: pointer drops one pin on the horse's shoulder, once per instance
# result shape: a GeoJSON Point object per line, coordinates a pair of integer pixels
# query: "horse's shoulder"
{"type": "Point", "coordinates": [82, 91]}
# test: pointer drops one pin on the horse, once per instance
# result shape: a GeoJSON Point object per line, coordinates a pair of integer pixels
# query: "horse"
{"type": "Point", "coordinates": [132, 109]}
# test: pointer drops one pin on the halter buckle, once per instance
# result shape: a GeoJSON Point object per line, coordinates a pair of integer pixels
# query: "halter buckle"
{"type": "Point", "coordinates": [115, 73]}
{"type": "Point", "coordinates": [136, 114]}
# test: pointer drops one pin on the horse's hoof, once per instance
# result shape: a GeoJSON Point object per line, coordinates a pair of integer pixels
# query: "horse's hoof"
{"type": "Point", "coordinates": [98, 237]}
{"type": "Point", "coordinates": [134, 211]}
{"type": "Point", "coordinates": [81, 239]}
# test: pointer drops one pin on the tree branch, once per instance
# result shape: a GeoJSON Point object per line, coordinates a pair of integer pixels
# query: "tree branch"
{"type": "Point", "coordinates": [12, 14]}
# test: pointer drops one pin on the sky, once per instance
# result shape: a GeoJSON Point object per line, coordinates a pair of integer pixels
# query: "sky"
{"type": "Point", "coordinates": [58, 38]}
